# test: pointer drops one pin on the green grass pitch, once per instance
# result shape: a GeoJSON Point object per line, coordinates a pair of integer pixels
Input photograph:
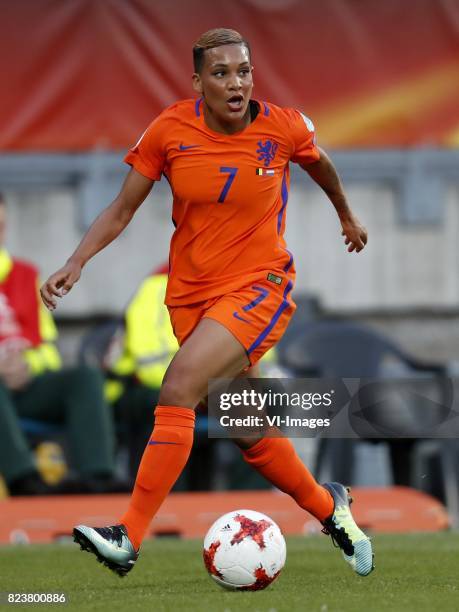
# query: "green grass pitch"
{"type": "Point", "coordinates": [413, 572]}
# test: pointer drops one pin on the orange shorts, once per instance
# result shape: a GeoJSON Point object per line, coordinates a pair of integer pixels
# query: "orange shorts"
{"type": "Point", "coordinates": [257, 315]}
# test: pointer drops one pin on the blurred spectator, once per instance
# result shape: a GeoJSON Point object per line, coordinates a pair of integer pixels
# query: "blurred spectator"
{"type": "Point", "coordinates": [33, 385]}
{"type": "Point", "coordinates": [136, 362]}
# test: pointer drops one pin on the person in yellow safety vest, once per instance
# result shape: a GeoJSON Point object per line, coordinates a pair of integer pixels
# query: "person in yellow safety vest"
{"type": "Point", "coordinates": [137, 359]}
{"type": "Point", "coordinates": [147, 341]}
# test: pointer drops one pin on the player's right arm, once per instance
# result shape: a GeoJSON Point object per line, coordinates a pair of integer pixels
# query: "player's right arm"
{"type": "Point", "coordinates": [108, 225]}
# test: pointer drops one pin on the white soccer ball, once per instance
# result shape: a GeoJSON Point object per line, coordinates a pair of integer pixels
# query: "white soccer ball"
{"type": "Point", "coordinates": [244, 550]}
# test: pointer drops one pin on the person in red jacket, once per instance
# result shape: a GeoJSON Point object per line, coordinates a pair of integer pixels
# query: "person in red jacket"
{"type": "Point", "coordinates": [34, 385]}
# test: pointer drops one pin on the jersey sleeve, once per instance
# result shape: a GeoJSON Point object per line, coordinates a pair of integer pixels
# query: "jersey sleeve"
{"type": "Point", "coordinates": [303, 137]}
{"type": "Point", "coordinates": [148, 156]}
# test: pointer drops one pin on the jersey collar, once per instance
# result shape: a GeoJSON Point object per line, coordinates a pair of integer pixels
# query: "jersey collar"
{"type": "Point", "coordinates": [263, 112]}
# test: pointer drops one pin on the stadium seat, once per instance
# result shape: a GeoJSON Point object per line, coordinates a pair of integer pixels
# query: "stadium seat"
{"type": "Point", "coordinates": [308, 310]}
{"type": "Point", "coordinates": [340, 349]}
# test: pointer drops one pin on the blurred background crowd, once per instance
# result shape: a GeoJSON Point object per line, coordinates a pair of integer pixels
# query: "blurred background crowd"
{"type": "Point", "coordinates": [82, 79]}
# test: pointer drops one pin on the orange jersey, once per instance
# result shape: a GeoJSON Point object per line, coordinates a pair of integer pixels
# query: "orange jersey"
{"type": "Point", "coordinates": [230, 194]}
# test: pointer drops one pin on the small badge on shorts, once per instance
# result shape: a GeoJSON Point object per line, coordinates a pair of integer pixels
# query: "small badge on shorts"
{"type": "Point", "coordinates": [274, 279]}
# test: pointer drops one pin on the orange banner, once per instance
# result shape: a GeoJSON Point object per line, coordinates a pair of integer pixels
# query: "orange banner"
{"type": "Point", "coordinates": [79, 74]}
{"type": "Point", "coordinates": [189, 515]}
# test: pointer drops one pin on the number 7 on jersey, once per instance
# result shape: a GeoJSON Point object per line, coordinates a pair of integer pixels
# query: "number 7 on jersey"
{"type": "Point", "coordinates": [229, 181]}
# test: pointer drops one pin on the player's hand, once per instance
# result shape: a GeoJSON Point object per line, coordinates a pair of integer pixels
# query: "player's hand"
{"type": "Point", "coordinates": [356, 235]}
{"type": "Point", "coordinates": [59, 284]}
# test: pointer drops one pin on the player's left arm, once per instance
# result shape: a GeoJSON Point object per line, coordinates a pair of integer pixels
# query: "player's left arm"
{"type": "Point", "coordinates": [324, 173]}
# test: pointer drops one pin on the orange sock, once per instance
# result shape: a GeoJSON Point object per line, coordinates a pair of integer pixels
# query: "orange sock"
{"type": "Point", "coordinates": [163, 460]}
{"type": "Point", "coordinates": [277, 460]}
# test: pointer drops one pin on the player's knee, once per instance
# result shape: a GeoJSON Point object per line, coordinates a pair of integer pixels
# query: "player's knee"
{"type": "Point", "coordinates": [176, 391]}
{"type": "Point", "coordinates": [246, 443]}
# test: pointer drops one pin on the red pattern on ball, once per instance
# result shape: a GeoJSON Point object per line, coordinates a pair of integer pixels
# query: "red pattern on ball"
{"type": "Point", "coordinates": [250, 528]}
{"type": "Point", "coordinates": [262, 580]}
{"type": "Point", "coordinates": [209, 559]}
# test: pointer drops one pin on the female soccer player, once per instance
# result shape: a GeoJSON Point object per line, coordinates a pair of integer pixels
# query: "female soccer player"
{"type": "Point", "coordinates": [227, 158]}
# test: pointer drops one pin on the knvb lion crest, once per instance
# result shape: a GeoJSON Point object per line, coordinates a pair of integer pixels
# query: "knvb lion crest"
{"type": "Point", "coordinates": [267, 151]}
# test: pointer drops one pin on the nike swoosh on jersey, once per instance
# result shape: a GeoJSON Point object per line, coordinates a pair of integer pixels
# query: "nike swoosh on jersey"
{"type": "Point", "coordinates": [183, 147]}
